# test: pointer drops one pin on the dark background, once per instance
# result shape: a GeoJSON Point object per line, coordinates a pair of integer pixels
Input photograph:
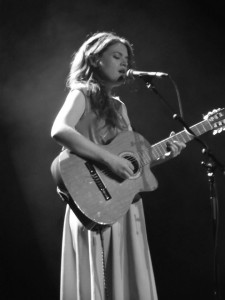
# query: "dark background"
{"type": "Point", "coordinates": [182, 38]}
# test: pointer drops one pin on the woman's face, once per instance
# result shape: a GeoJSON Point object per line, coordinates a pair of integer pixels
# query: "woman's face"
{"type": "Point", "coordinates": [113, 64]}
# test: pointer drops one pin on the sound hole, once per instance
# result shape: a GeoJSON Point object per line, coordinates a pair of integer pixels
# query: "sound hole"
{"type": "Point", "coordinates": [133, 161]}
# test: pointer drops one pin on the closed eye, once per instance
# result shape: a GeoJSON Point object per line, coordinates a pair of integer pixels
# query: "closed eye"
{"type": "Point", "coordinates": [119, 55]}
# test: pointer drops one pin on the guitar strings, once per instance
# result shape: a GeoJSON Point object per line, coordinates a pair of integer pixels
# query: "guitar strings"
{"type": "Point", "coordinates": [159, 149]}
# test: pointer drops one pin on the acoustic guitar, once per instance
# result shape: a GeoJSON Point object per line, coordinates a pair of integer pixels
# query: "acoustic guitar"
{"type": "Point", "coordinates": [97, 195]}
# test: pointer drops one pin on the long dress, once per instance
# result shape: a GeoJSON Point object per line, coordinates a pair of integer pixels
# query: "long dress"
{"type": "Point", "coordinates": [114, 264]}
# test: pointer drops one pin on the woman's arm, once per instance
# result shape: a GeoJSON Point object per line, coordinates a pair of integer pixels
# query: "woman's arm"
{"type": "Point", "coordinates": [64, 132]}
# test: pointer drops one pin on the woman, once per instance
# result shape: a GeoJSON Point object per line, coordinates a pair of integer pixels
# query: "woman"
{"type": "Point", "coordinates": [115, 263]}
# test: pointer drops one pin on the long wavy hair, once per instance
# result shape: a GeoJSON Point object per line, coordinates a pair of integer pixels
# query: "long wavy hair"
{"type": "Point", "coordinates": [82, 73]}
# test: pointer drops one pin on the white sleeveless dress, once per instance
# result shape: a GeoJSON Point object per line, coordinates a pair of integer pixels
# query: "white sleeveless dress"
{"type": "Point", "coordinates": [128, 273]}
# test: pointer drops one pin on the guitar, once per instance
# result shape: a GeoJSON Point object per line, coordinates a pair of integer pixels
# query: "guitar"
{"type": "Point", "coordinates": [99, 197]}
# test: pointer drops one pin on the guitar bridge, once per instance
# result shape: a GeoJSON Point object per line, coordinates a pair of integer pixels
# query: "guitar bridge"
{"type": "Point", "coordinates": [98, 181]}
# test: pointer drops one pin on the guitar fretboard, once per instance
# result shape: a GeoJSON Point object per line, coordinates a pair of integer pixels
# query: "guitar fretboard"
{"type": "Point", "coordinates": [160, 149]}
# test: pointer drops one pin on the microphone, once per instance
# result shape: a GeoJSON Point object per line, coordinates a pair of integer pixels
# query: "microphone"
{"type": "Point", "coordinates": [133, 73]}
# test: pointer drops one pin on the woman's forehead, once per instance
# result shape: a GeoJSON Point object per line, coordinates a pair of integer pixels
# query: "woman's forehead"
{"type": "Point", "coordinates": [118, 47]}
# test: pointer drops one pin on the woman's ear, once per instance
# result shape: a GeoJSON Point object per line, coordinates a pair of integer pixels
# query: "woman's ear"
{"type": "Point", "coordinates": [94, 61]}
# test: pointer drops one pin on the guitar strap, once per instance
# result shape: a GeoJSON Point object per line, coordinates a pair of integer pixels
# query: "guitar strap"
{"type": "Point", "coordinates": [64, 196]}
{"type": "Point", "coordinates": [104, 265]}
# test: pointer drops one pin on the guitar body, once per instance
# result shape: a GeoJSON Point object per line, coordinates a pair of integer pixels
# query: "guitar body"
{"type": "Point", "coordinates": [96, 193]}
{"type": "Point", "coordinates": [99, 197]}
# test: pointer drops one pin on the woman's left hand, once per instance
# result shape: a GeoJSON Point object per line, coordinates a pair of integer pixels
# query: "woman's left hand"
{"type": "Point", "coordinates": [174, 148]}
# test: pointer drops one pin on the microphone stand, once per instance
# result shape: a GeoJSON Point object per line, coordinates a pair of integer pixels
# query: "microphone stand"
{"type": "Point", "coordinates": [211, 165]}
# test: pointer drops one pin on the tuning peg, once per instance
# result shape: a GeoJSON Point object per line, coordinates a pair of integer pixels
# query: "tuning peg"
{"type": "Point", "coordinates": [210, 113]}
{"type": "Point", "coordinates": [218, 130]}
{"type": "Point", "coordinates": [215, 114]}
{"type": "Point", "coordinates": [207, 115]}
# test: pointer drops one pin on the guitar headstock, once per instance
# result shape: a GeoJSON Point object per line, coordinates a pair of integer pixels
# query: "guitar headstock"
{"type": "Point", "coordinates": [216, 119]}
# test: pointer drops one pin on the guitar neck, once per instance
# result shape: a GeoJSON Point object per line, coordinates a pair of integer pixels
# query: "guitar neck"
{"type": "Point", "coordinates": [160, 149]}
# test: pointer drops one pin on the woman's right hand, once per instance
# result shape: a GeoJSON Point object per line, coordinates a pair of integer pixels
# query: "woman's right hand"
{"type": "Point", "coordinates": [120, 166]}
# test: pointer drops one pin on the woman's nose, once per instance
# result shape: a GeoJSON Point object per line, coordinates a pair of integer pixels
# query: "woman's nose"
{"type": "Point", "coordinates": [124, 63]}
